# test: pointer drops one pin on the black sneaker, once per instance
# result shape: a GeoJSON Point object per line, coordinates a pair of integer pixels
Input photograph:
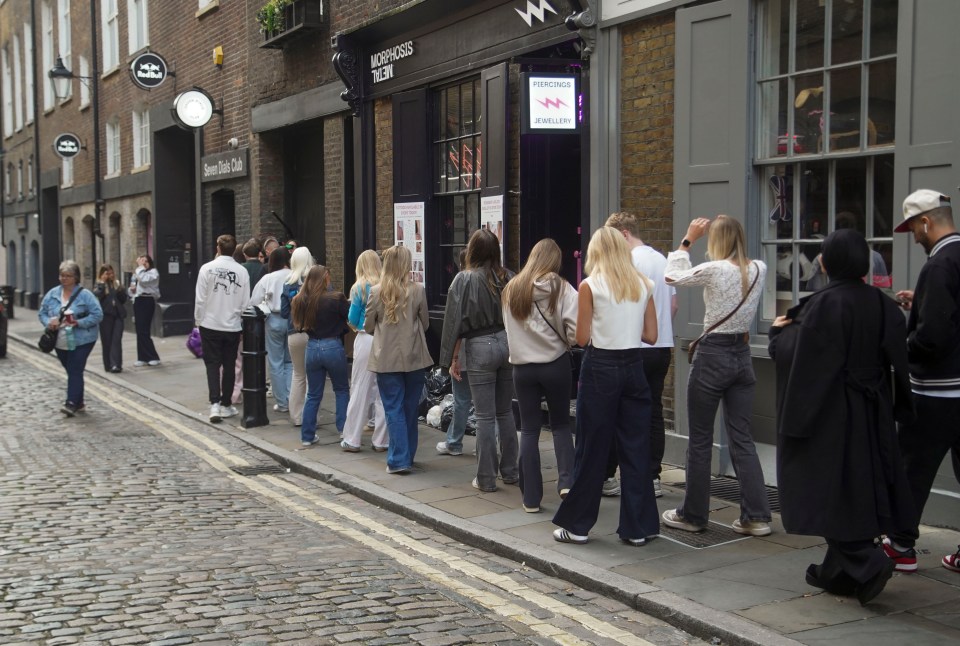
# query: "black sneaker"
{"type": "Point", "coordinates": [68, 409]}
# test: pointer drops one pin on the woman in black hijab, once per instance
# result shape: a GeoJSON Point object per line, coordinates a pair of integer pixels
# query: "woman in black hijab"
{"type": "Point", "coordinates": [838, 462]}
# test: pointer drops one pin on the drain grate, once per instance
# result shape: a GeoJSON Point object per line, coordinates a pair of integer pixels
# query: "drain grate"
{"type": "Point", "coordinates": [729, 489]}
{"type": "Point", "coordinates": [712, 536]}
{"type": "Point", "coordinates": [259, 470]}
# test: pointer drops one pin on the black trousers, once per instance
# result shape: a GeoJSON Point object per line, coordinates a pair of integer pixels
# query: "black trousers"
{"type": "Point", "coordinates": [847, 564]}
{"type": "Point", "coordinates": [143, 310]}
{"type": "Point", "coordinates": [656, 364]}
{"type": "Point", "coordinates": [111, 341]}
{"type": "Point", "coordinates": [220, 358]}
{"type": "Point", "coordinates": [923, 446]}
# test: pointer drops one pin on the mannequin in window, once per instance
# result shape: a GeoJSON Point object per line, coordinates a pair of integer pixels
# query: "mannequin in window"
{"type": "Point", "coordinates": [810, 122]}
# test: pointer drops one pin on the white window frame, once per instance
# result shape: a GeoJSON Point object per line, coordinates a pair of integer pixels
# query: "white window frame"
{"type": "Point", "coordinates": [65, 42]}
{"type": "Point", "coordinates": [8, 182]}
{"type": "Point", "coordinates": [138, 25]}
{"type": "Point", "coordinates": [30, 187]}
{"type": "Point", "coordinates": [110, 34]}
{"type": "Point", "coordinates": [28, 72]}
{"type": "Point", "coordinates": [83, 66]}
{"type": "Point", "coordinates": [66, 173]}
{"type": "Point", "coordinates": [113, 148]}
{"type": "Point", "coordinates": [17, 85]}
{"type": "Point", "coordinates": [46, 44]}
{"type": "Point", "coordinates": [7, 85]}
{"type": "Point", "coordinates": [141, 138]}
{"type": "Point", "coordinates": [20, 180]}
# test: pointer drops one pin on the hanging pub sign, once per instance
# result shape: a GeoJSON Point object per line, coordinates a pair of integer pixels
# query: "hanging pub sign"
{"type": "Point", "coordinates": [149, 70]}
{"type": "Point", "coordinates": [550, 103]}
{"type": "Point", "coordinates": [193, 108]}
{"type": "Point", "coordinates": [67, 145]}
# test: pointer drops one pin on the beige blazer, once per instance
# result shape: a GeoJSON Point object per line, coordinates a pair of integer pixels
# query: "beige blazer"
{"type": "Point", "coordinates": [400, 346]}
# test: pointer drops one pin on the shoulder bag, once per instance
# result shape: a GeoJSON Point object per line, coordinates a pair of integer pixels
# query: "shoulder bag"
{"type": "Point", "coordinates": [48, 340]}
{"type": "Point", "coordinates": [693, 346]}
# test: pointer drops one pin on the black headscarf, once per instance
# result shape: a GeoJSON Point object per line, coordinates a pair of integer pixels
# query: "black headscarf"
{"type": "Point", "coordinates": [845, 255]}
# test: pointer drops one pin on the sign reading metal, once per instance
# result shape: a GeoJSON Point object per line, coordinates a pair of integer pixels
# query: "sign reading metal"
{"type": "Point", "coordinates": [550, 103]}
{"type": "Point", "coordinates": [224, 165]}
{"type": "Point", "coordinates": [67, 145]}
{"type": "Point", "coordinates": [148, 70]}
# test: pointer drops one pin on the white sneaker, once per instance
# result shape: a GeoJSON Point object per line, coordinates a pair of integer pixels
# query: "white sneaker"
{"type": "Point", "coordinates": [611, 487]}
{"type": "Point", "coordinates": [280, 409]}
{"type": "Point", "coordinates": [751, 528]}
{"type": "Point", "coordinates": [139, 364]}
{"type": "Point", "coordinates": [155, 362]}
{"type": "Point", "coordinates": [442, 449]}
{"type": "Point", "coordinates": [228, 411]}
{"type": "Point", "coordinates": [215, 414]}
{"type": "Point", "coordinates": [657, 491]}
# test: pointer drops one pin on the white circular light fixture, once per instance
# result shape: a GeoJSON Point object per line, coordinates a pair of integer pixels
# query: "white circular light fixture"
{"type": "Point", "coordinates": [193, 108]}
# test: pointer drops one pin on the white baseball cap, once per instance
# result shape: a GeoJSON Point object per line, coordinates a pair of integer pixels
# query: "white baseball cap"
{"type": "Point", "coordinates": [920, 202]}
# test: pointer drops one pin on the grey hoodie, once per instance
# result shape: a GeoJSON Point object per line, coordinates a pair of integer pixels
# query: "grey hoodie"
{"type": "Point", "coordinates": [532, 340]}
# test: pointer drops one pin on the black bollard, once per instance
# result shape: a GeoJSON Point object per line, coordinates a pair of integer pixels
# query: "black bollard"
{"type": "Point", "coordinates": [254, 355]}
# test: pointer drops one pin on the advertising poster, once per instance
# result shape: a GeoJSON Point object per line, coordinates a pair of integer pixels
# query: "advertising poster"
{"type": "Point", "coordinates": [491, 217]}
{"type": "Point", "coordinates": [408, 222]}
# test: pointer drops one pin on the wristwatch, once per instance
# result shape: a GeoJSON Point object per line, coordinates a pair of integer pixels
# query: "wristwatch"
{"type": "Point", "coordinates": [685, 243]}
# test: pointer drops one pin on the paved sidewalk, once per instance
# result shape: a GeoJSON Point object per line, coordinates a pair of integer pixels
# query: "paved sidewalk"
{"type": "Point", "coordinates": [741, 590]}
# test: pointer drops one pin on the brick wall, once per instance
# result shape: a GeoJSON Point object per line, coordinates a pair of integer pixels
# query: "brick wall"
{"type": "Point", "coordinates": [383, 126]}
{"type": "Point", "coordinates": [646, 133]}
{"type": "Point", "coordinates": [333, 200]}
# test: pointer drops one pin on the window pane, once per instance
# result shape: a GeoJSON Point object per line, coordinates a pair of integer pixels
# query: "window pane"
{"type": "Point", "coordinates": [812, 276]}
{"type": "Point", "coordinates": [846, 45]}
{"type": "Point", "coordinates": [808, 117]}
{"type": "Point", "coordinates": [773, 139]}
{"type": "Point", "coordinates": [441, 115]}
{"type": "Point", "coordinates": [851, 194]}
{"type": "Point", "coordinates": [883, 27]}
{"type": "Point", "coordinates": [814, 198]}
{"type": "Point", "coordinates": [466, 125]}
{"type": "Point", "coordinates": [881, 103]}
{"type": "Point", "coordinates": [453, 112]}
{"type": "Point", "coordinates": [845, 109]}
{"type": "Point", "coordinates": [477, 162]}
{"type": "Point", "coordinates": [881, 265]}
{"type": "Point", "coordinates": [810, 34]}
{"type": "Point", "coordinates": [777, 201]}
{"type": "Point", "coordinates": [477, 109]}
{"type": "Point", "coordinates": [885, 207]}
{"type": "Point", "coordinates": [774, 42]}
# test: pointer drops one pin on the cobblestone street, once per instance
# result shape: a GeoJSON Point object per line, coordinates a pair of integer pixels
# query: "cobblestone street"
{"type": "Point", "coordinates": [130, 524]}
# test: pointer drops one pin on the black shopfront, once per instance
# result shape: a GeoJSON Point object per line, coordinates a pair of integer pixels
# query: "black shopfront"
{"type": "Point", "coordinates": [440, 88]}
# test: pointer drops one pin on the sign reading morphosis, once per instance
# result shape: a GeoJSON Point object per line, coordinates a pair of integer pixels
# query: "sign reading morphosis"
{"type": "Point", "coordinates": [148, 70]}
{"type": "Point", "coordinates": [67, 145]}
{"type": "Point", "coordinates": [550, 103]}
{"type": "Point", "coordinates": [226, 165]}
{"type": "Point", "coordinates": [381, 63]}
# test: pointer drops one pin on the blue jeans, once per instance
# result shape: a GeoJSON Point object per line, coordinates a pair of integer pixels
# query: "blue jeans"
{"type": "Point", "coordinates": [75, 362]}
{"type": "Point", "coordinates": [324, 356]}
{"type": "Point", "coordinates": [278, 355]}
{"type": "Point", "coordinates": [613, 406]}
{"type": "Point", "coordinates": [400, 392]}
{"type": "Point", "coordinates": [461, 411]}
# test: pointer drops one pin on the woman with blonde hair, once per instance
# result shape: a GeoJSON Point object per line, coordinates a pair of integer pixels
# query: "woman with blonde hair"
{"type": "Point", "coordinates": [540, 317]}
{"type": "Point", "coordinates": [474, 316]}
{"type": "Point", "coordinates": [363, 383]}
{"type": "Point", "coordinates": [397, 317]}
{"type": "Point", "coordinates": [722, 369]}
{"type": "Point", "coordinates": [615, 314]}
{"type": "Point", "coordinates": [322, 314]}
{"type": "Point", "coordinates": [300, 263]}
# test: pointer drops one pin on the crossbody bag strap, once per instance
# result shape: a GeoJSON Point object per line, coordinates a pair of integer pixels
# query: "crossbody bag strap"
{"type": "Point", "coordinates": [729, 315]}
{"type": "Point", "coordinates": [562, 338]}
{"type": "Point", "coordinates": [73, 297]}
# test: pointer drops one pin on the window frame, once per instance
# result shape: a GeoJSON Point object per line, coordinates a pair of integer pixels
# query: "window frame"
{"type": "Point", "coordinates": [65, 41]}
{"type": "Point", "coordinates": [138, 25]}
{"type": "Point", "coordinates": [114, 166]}
{"type": "Point", "coordinates": [47, 45]}
{"type": "Point", "coordinates": [6, 81]}
{"type": "Point", "coordinates": [31, 107]}
{"type": "Point", "coordinates": [141, 139]}
{"type": "Point", "coordinates": [110, 34]}
{"type": "Point", "coordinates": [17, 85]}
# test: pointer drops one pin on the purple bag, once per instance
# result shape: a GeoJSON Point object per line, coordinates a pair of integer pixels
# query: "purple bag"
{"type": "Point", "coordinates": [194, 345]}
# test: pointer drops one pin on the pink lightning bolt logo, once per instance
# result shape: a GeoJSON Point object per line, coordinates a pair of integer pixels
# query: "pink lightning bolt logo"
{"type": "Point", "coordinates": [556, 103]}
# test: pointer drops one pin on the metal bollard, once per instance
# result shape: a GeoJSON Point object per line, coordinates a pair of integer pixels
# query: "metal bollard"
{"type": "Point", "coordinates": [7, 293]}
{"type": "Point", "coordinates": [254, 355]}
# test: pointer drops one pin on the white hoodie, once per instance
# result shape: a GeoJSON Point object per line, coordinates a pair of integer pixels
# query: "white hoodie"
{"type": "Point", "coordinates": [223, 291]}
{"type": "Point", "coordinates": [533, 340]}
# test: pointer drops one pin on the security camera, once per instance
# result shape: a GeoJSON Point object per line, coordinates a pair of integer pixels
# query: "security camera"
{"type": "Point", "coordinates": [233, 143]}
{"type": "Point", "coordinates": [580, 20]}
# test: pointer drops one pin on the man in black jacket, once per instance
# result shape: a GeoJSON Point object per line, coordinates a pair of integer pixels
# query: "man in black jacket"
{"type": "Point", "coordinates": [933, 350]}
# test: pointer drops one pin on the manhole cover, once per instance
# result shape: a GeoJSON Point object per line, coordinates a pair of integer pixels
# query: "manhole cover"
{"type": "Point", "coordinates": [259, 470]}
{"type": "Point", "coordinates": [712, 536]}
{"type": "Point", "coordinates": [729, 489]}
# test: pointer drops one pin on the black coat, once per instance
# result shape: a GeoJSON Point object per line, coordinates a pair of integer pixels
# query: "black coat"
{"type": "Point", "coordinates": [838, 461]}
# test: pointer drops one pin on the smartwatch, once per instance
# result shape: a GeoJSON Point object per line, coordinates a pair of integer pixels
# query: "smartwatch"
{"type": "Point", "coordinates": [685, 243]}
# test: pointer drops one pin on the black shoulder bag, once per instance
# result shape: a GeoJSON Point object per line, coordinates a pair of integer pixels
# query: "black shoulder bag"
{"type": "Point", "coordinates": [48, 340]}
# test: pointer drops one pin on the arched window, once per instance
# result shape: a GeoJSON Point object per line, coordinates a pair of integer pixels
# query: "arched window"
{"type": "Point", "coordinates": [33, 268]}
{"type": "Point", "coordinates": [69, 240]}
{"type": "Point", "coordinates": [144, 232]}
{"type": "Point", "coordinates": [112, 252]}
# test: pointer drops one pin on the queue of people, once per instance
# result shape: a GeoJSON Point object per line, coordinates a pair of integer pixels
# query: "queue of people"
{"type": "Point", "coordinates": [845, 470]}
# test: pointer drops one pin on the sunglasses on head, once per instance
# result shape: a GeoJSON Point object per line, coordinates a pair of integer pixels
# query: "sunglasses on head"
{"type": "Point", "coordinates": [290, 246]}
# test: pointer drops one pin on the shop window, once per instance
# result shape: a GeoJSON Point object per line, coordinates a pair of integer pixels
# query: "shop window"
{"type": "Point", "coordinates": [826, 93]}
{"type": "Point", "coordinates": [457, 155]}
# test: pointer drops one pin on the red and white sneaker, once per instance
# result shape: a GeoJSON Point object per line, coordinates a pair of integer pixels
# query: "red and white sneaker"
{"type": "Point", "coordinates": [952, 561]}
{"type": "Point", "coordinates": [904, 560]}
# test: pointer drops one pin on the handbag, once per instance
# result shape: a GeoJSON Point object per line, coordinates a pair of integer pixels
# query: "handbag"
{"type": "Point", "coordinates": [693, 345]}
{"type": "Point", "coordinates": [48, 340]}
{"type": "Point", "coordinates": [574, 363]}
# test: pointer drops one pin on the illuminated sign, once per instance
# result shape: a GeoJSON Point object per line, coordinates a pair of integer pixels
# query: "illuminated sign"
{"type": "Point", "coordinates": [551, 103]}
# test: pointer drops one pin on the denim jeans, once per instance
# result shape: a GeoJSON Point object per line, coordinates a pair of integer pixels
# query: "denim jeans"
{"type": "Point", "coordinates": [75, 362]}
{"type": "Point", "coordinates": [461, 411]}
{"type": "Point", "coordinates": [532, 382]}
{"type": "Point", "coordinates": [324, 356]}
{"type": "Point", "coordinates": [278, 355]}
{"type": "Point", "coordinates": [400, 392]}
{"type": "Point", "coordinates": [722, 371]}
{"type": "Point", "coordinates": [613, 405]}
{"type": "Point", "coordinates": [491, 384]}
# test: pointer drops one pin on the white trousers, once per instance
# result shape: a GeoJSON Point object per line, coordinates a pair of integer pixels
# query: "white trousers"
{"type": "Point", "coordinates": [363, 392]}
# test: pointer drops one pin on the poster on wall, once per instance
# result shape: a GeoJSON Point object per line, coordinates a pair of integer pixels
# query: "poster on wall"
{"type": "Point", "coordinates": [491, 217]}
{"type": "Point", "coordinates": [408, 223]}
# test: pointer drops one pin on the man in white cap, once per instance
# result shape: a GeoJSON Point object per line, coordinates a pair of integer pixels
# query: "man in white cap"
{"type": "Point", "coordinates": [933, 349]}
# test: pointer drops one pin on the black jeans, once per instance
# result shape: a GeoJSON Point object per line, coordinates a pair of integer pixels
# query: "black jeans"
{"type": "Point", "coordinates": [923, 445]}
{"type": "Point", "coordinates": [220, 358]}
{"type": "Point", "coordinates": [656, 364]}
{"type": "Point", "coordinates": [143, 309]}
{"type": "Point", "coordinates": [111, 341]}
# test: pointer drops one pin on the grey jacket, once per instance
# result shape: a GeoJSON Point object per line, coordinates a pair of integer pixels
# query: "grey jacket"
{"type": "Point", "coordinates": [471, 310]}
{"type": "Point", "coordinates": [400, 346]}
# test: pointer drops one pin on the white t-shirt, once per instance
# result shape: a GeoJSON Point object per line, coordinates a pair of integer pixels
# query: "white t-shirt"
{"type": "Point", "coordinates": [615, 326]}
{"type": "Point", "coordinates": [652, 264]}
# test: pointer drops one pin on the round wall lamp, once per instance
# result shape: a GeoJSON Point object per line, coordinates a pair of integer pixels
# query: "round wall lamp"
{"type": "Point", "coordinates": [194, 108]}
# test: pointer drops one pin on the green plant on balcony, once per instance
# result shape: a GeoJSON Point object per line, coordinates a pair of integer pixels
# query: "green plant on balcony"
{"type": "Point", "coordinates": [270, 16]}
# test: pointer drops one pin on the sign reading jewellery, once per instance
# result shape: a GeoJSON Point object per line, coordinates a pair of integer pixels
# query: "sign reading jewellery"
{"type": "Point", "coordinates": [226, 165]}
{"type": "Point", "coordinates": [67, 145]}
{"type": "Point", "coordinates": [149, 70]}
{"type": "Point", "coordinates": [381, 63]}
{"type": "Point", "coordinates": [550, 103]}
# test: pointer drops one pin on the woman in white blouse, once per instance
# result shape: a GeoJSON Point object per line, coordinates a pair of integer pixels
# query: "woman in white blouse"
{"type": "Point", "coordinates": [722, 370]}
